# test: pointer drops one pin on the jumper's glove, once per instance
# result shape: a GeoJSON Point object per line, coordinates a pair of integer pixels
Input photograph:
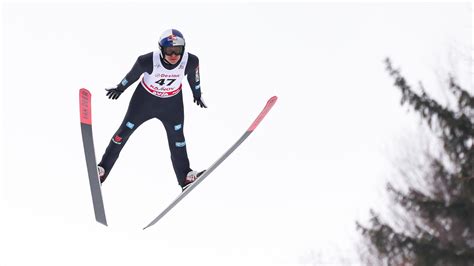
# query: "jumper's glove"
{"type": "Point", "coordinates": [199, 102]}
{"type": "Point", "coordinates": [113, 93]}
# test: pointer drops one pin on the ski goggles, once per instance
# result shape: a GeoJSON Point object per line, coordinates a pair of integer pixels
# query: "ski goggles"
{"type": "Point", "coordinates": [177, 50]}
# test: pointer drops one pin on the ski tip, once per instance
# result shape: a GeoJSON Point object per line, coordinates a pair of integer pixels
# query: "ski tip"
{"type": "Point", "coordinates": [271, 102]}
{"type": "Point", "coordinates": [84, 91]}
{"type": "Point", "coordinates": [264, 112]}
{"type": "Point", "coordinates": [85, 106]}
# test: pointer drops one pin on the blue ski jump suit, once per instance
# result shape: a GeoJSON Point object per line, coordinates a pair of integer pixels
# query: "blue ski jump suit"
{"type": "Point", "coordinates": [147, 102]}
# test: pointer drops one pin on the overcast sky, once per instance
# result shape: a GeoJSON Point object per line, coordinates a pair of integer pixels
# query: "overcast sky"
{"type": "Point", "coordinates": [316, 163]}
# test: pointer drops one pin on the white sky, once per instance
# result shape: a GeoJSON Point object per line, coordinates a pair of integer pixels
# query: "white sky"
{"type": "Point", "coordinates": [296, 186]}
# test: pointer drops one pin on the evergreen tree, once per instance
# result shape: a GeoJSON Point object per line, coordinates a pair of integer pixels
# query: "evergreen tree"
{"type": "Point", "coordinates": [437, 227]}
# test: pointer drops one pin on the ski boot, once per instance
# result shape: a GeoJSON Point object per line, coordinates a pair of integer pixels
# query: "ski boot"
{"type": "Point", "coordinates": [101, 172]}
{"type": "Point", "coordinates": [191, 177]}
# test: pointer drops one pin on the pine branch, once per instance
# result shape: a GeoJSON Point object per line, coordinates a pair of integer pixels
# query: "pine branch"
{"type": "Point", "coordinates": [429, 208]}
{"type": "Point", "coordinates": [423, 248]}
{"type": "Point", "coordinates": [456, 129]}
{"type": "Point", "coordinates": [429, 108]}
{"type": "Point", "coordinates": [465, 100]}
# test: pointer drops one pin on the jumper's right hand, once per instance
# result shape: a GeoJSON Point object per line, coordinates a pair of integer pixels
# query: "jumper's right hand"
{"type": "Point", "coordinates": [113, 93]}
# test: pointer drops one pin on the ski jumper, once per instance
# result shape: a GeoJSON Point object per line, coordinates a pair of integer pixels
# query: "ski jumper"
{"type": "Point", "coordinates": [158, 95]}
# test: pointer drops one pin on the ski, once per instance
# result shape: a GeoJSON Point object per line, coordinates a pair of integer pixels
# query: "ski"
{"type": "Point", "coordinates": [87, 140]}
{"type": "Point", "coordinates": [208, 171]}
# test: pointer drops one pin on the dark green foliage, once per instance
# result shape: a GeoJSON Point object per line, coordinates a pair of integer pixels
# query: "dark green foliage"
{"type": "Point", "coordinates": [437, 227]}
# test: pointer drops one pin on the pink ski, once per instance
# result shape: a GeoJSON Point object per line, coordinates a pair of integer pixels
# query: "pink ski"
{"type": "Point", "coordinates": [88, 142]}
{"type": "Point", "coordinates": [249, 131]}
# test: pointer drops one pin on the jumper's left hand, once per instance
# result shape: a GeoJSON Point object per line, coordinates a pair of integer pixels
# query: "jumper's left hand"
{"type": "Point", "coordinates": [113, 93]}
{"type": "Point", "coordinates": [200, 102]}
